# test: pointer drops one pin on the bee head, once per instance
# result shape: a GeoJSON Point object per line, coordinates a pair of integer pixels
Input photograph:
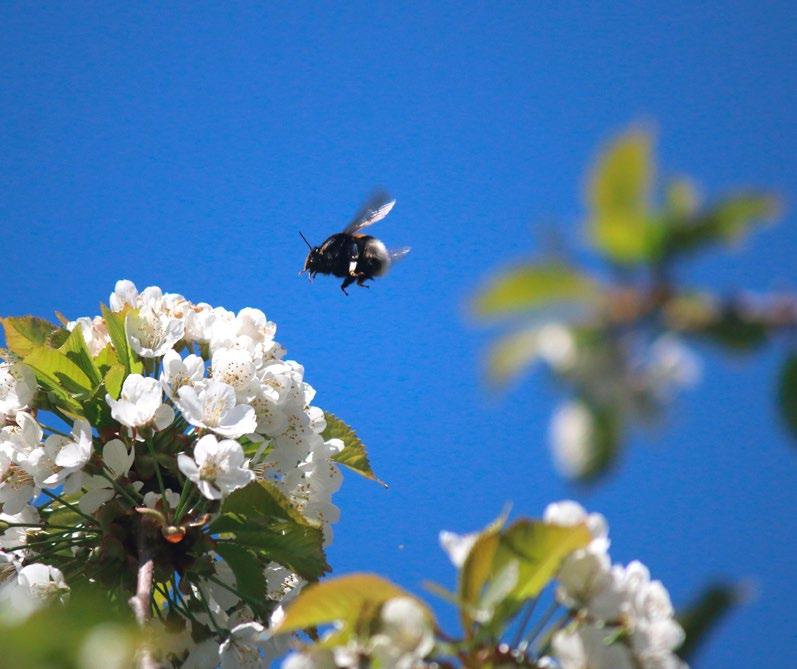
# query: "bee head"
{"type": "Point", "coordinates": [311, 263]}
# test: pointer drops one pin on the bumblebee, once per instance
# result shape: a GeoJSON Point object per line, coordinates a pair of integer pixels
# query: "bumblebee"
{"type": "Point", "coordinates": [352, 255]}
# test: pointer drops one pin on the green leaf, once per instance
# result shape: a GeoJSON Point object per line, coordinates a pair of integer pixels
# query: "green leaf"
{"type": "Point", "coordinates": [353, 455]}
{"type": "Point", "coordinates": [76, 350]}
{"type": "Point", "coordinates": [539, 549]}
{"type": "Point", "coordinates": [346, 600]}
{"type": "Point", "coordinates": [604, 443]}
{"type": "Point", "coordinates": [530, 287]}
{"type": "Point", "coordinates": [260, 517]}
{"type": "Point", "coordinates": [115, 322]}
{"type": "Point", "coordinates": [512, 354]}
{"type": "Point", "coordinates": [57, 373]}
{"type": "Point", "coordinates": [114, 379]}
{"type": "Point", "coordinates": [25, 333]}
{"type": "Point", "coordinates": [724, 223]}
{"type": "Point", "coordinates": [476, 571]}
{"type": "Point", "coordinates": [248, 571]}
{"type": "Point", "coordinates": [705, 613]}
{"type": "Point", "coordinates": [736, 331]}
{"type": "Point", "coordinates": [106, 359]}
{"type": "Point", "coordinates": [618, 199]}
{"type": "Point", "coordinates": [787, 393]}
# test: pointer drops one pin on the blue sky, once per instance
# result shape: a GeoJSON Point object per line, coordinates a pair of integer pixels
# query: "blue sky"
{"type": "Point", "coordinates": [186, 145]}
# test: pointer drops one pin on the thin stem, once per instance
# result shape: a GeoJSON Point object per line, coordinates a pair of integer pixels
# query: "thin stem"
{"type": "Point", "coordinates": [530, 606]}
{"type": "Point", "coordinates": [69, 506]}
{"type": "Point", "coordinates": [140, 602]}
{"type": "Point", "coordinates": [542, 622]}
{"type": "Point", "coordinates": [185, 495]}
{"type": "Point", "coordinates": [158, 475]}
{"type": "Point", "coordinates": [119, 489]}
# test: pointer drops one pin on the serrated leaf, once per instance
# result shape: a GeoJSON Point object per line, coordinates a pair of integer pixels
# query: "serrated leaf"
{"type": "Point", "coordinates": [76, 350]}
{"type": "Point", "coordinates": [248, 571]}
{"type": "Point", "coordinates": [723, 223]}
{"type": "Point", "coordinates": [260, 517]}
{"type": "Point", "coordinates": [529, 287]}
{"type": "Point", "coordinates": [353, 455]}
{"type": "Point", "coordinates": [787, 394]}
{"type": "Point", "coordinates": [618, 199]}
{"type": "Point", "coordinates": [25, 333]}
{"type": "Point", "coordinates": [58, 374]}
{"type": "Point", "coordinates": [115, 322]}
{"type": "Point", "coordinates": [342, 600]}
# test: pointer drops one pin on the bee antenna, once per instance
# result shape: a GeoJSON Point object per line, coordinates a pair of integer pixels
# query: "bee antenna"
{"type": "Point", "coordinates": [309, 245]}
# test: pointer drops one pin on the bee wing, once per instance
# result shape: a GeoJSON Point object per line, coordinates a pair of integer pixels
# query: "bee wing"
{"type": "Point", "coordinates": [398, 254]}
{"type": "Point", "coordinates": [374, 211]}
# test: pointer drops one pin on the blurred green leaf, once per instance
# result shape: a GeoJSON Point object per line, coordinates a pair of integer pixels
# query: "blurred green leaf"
{"type": "Point", "coordinates": [25, 333]}
{"type": "Point", "coordinates": [72, 636]}
{"type": "Point", "coordinates": [735, 331]}
{"type": "Point", "coordinates": [618, 199]}
{"type": "Point", "coordinates": [347, 600]}
{"type": "Point", "coordinates": [682, 199]}
{"type": "Point", "coordinates": [353, 455]}
{"type": "Point", "coordinates": [604, 443]}
{"type": "Point", "coordinates": [261, 518]}
{"type": "Point", "coordinates": [115, 322]}
{"type": "Point", "coordinates": [533, 287]}
{"type": "Point", "coordinates": [512, 354]}
{"type": "Point", "coordinates": [76, 350]}
{"type": "Point", "coordinates": [787, 393]}
{"type": "Point", "coordinates": [704, 614]}
{"type": "Point", "coordinates": [725, 222]}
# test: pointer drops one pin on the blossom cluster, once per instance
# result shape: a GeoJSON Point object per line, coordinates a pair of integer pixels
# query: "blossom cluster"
{"type": "Point", "coordinates": [208, 406]}
{"type": "Point", "coordinates": [623, 618]}
{"type": "Point", "coordinates": [628, 379]}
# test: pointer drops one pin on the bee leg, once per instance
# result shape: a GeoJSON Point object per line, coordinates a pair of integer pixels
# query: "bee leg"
{"type": "Point", "coordinates": [362, 278]}
{"type": "Point", "coordinates": [346, 282]}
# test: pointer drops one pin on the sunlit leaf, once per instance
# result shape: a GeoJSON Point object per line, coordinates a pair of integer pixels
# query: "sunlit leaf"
{"type": "Point", "coordinates": [533, 287]}
{"type": "Point", "coordinates": [115, 322]}
{"type": "Point", "coordinates": [261, 518]}
{"type": "Point", "coordinates": [353, 455]}
{"type": "Point", "coordinates": [619, 196]}
{"type": "Point", "coordinates": [106, 358]}
{"type": "Point", "coordinates": [76, 350]}
{"type": "Point", "coordinates": [539, 549]}
{"type": "Point", "coordinates": [704, 614]}
{"type": "Point", "coordinates": [25, 333]}
{"type": "Point", "coordinates": [343, 600]}
{"type": "Point", "coordinates": [114, 378]}
{"type": "Point", "coordinates": [787, 393]}
{"type": "Point", "coordinates": [58, 374]}
{"type": "Point", "coordinates": [726, 222]}
{"type": "Point", "coordinates": [477, 570]}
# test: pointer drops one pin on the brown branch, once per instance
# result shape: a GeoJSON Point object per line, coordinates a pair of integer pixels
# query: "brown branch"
{"type": "Point", "coordinates": [140, 602]}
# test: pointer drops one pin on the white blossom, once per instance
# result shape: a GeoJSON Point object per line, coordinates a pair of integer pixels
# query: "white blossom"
{"type": "Point", "coordinates": [124, 295]}
{"type": "Point", "coordinates": [178, 372]}
{"type": "Point", "coordinates": [139, 402]}
{"type": "Point", "coordinates": [585, 648]}
{"type": "Point", "coordinates": [217, 467]}
{"type": "Point", "coordinates": [17, 385]}
{"type": "Point", "coordinates": [214, 406]}
{"type": "Point", "coordinates": [153, 333]}
{"type": "Point", "coordinates": [572, 438]}
{"type": "Point", "coordinates": [457, 546]}
{"type": "Point", "coordinates": [94, 331]}
{"type": "Point", "coordinates": [405, 634]}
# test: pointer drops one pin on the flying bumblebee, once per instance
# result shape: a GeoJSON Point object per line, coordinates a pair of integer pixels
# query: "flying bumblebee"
{"type": "Point", "coordinates": [351, 254]}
